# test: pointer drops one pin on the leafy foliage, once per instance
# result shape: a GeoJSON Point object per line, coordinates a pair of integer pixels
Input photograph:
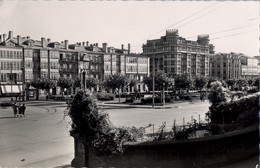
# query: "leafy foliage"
{"type": "Point", "coordinates": [243, 111]}
{"type": "Point", "coordinates": [91, 82]}
{"type": "Point", "coordinates": [160, 80]}
{"type": "Point", "coordinates": [218, 94]}
{"type": "Point", "coordinates": [132, 83]}
{"type": "Point", "coordinates": [105, 96]}
{"type": "Point", "coordinates": [115, 81]}
{"type": "Point", "coordinates": [65, 82]}
{"type": "Point", "coordinates": [210, 80]}
{"type": "Point", "coordinates": [183, 81]}
{"type": "Point", "coordinates": [200, 82]}
{"type": "Point", "coordinates": [93, 126]}
{"type": "Point", "coordinates": [77, 82]}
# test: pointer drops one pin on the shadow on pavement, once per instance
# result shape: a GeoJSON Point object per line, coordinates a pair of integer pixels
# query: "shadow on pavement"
{"type": "Point", "coordinates": [64, 166]}
{"type": "Point", "coordinates": [6, 117]}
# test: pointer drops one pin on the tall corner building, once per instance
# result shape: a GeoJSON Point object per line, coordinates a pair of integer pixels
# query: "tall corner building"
{"type": "Point", "coordinates": [175, 55]}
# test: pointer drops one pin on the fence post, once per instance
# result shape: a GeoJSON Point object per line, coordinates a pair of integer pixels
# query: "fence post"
{"type": "Point", "coordinates": [153, 130]}
{"type": "Point", "coordinates": [183, 123]}
{"type": "Point", "coordinates": [174, 128]}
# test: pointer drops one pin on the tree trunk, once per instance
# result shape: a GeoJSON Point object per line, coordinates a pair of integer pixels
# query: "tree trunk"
{"type": "Point", "coordinates": [37, 93]}
{"type": "Point", "coordinates": [48, 94]}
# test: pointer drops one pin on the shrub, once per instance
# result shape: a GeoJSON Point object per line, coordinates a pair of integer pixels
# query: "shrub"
{"type": "Point", "coordinates": [244, 110]}
{"type": "Point", "coordinates": [94, 127]}
{"type": "Point", "coordinates": [105, 96]}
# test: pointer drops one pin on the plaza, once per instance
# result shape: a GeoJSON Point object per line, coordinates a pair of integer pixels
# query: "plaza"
{"type": "Point", "coordinates": [42, 139]}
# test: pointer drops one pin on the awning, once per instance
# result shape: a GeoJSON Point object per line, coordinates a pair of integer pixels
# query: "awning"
{"type": "Point", "coordinates": [32, 88]}
{"type": "Point", "coordinates": [11, 89]}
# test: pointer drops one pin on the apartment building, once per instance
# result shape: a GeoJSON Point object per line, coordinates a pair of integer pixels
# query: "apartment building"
{"type": "Point", "coordinates": [250, 67]}
{"type": "Point", "coordinates": [24, 59]}
{"type": "Point", "coordinates": [175, 55]}
{"type": "Point", "coordinates": [226, 65]}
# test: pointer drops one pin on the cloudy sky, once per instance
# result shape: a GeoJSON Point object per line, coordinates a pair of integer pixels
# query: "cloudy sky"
{"type": "Point", "coordinates": [232, 26]}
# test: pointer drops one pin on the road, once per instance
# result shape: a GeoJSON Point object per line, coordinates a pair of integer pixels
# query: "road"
{"type": "Point", "coordinates": [41, 139]}
{"type": "Point", "coordinates": [143, 116]}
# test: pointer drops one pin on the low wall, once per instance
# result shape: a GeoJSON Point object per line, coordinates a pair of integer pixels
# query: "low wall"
{"type": "Point", "coordinates": [212, 151]}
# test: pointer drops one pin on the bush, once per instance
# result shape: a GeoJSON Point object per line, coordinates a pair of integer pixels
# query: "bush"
{"type": "Point", "coordinates": [94, 127]}
{"type": "Point", "coordinates": [105, 96]}
{"type": "Point", "coordinates": [253, 90]}
{"type": "Point", "coordinates": [242, 110]}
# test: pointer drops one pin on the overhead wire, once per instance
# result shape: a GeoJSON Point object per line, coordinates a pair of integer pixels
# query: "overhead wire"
{"type": "Point", "coordinates": [178, 22]}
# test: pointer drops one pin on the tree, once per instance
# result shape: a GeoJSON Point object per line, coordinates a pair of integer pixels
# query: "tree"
{"type": "Point", "coordinates": [115, 82]}
{"type": "Point", "coordinates": [47, 84]}
{"type": "Point", "coordinates": [37, 84]}
{"type": "Point", "coordinates": [77, 82]}
{"type": "Point", "coordinates": [210, 80]}
{"type": "Point", "coordinates": [64, 83]}
{"type": "Point", "coordinates": [231, 83]}
{"type": "Point", "coordinates": [256, 83]}
{"type": "Point", "coordinates": [183, 82]}
{"type": "Point", "coordinates": [132, 83]}
{"type": "Point", "coordinates": [200, 82]}
{"type": "Point", "coordinates": [218, 94]}
{"type": "Point", "coordinates": [160, 80]}
{"type": "Point", "coordinates": [241, 84]}
{"type": "Point", "coordinates": [91, 82]}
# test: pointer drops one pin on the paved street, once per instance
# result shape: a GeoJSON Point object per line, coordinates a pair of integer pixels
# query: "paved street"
{"type": "Point", "coordinates": [143, 116]}
{"type": "Point", "coordinates": [41, 139]}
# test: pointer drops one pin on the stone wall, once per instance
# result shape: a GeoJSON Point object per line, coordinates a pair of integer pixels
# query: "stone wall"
{"type": "Point", "coordinates": [212, 151]}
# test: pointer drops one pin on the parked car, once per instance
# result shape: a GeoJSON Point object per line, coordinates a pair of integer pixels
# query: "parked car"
{"type": "Point", "coordinates": [130, 98]}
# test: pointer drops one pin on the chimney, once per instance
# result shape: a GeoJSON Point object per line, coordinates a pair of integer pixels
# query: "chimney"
{"type": "Point", "coordinates": [28, 37]}
{"type": "Point", "coordinates": [87, 43]}
{"type": "Point", "coordinates": [122, 47]}
{"type": "Point", "coordinates": [79, 44]}
{"type": "Point", "coordinates": [48, 40]}
{"type": "Point", "coordinates": [83, 43]}
{"type": "Point", "coordinates": [43, 44]}
{"type": "Point", "coordinates": [10, 35]}
{"type": "Point", "coordinates": [104, 47]}
{"type": "Point", "coordinates": [66, 44]}
{"type": "Point", "coordinates": [4, 37]}
{"type": "Point", "coordinates": [97, 44]}
{"type": "Point", "coordinates": [19, 40]}
{"type": "Point", "coordinates": [129, 48]}
{"type": "Point", "coordinates": [0, 38]}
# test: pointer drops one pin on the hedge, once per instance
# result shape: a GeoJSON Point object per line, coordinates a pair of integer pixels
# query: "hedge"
{"type": "Point", "coordinates": [105, 96]}
{"type": "Point", "coordinates": [241, 110]}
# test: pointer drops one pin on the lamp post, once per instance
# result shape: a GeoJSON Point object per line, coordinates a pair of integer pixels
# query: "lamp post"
{"type": "Point", "coordinates": [163, 94]}
{"type": "Point", "coordinates": [11, 77]}
{"type": "Point", "coordinates": [153, 72]}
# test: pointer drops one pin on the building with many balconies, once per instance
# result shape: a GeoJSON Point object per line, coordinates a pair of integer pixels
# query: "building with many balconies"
{"type": "Point", "coordinates": [175, 55]}
{"type": "Point", "coordinates": [24, 59]}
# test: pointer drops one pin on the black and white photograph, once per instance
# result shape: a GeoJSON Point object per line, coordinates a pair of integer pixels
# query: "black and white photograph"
{"type": "Point", "coordinates": [134, 84]}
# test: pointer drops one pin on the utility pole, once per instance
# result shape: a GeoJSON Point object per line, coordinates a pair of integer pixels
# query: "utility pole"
{"type": "Point", "coordinates": [153, 72]}
{"type": "Point", "coordinates": [23, 77]}
{"type": "Point", "coordinates": [11, 77]}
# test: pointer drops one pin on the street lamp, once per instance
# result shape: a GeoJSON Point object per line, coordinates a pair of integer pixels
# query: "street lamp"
{"type": "Point", "coordinates": [153, 72]}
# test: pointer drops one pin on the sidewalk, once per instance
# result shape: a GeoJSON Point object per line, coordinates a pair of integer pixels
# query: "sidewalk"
{"type": "Point", "coordinates": [115, 103]}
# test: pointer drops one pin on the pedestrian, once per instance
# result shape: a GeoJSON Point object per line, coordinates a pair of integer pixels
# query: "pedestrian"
{"type": "Point", "coordinates": [15, 110]}
{"type": "Point", "coordinates": [23, 110]}
{"type": "Point", "coordinates": [20, 110]}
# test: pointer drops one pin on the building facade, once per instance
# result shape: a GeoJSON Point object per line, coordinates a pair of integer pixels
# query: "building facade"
{"type": "Point", "coordinates": [226, 65]}
{"type": "Point", "coordinates": [24, 59]}
{"type": "Point", "coordinates": [250, 67]}
{"type": "Point", "coordinates": [175, 55]}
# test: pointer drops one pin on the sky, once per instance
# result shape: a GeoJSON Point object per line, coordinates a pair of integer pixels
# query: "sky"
{"type": "Point", "coordinates": [232, 26]}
